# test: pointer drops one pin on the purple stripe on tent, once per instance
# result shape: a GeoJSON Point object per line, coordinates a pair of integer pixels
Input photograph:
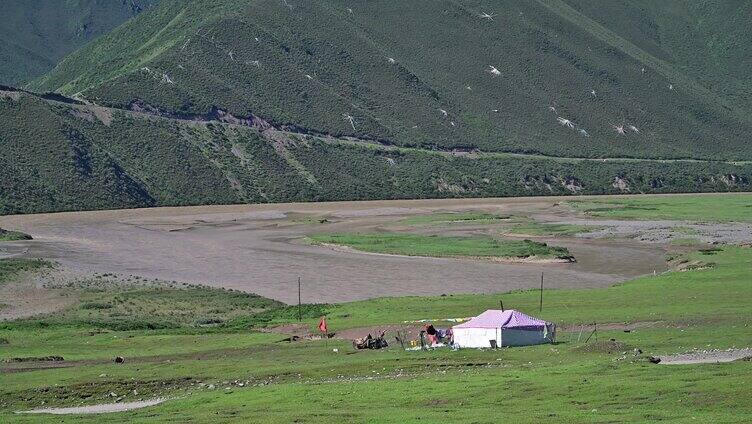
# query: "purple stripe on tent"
{"type": "Point", "coordinates": [494, 318]}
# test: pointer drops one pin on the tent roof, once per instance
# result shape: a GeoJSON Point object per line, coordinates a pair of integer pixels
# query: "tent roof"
{"type": "Point", "coordinates": [494, 318]}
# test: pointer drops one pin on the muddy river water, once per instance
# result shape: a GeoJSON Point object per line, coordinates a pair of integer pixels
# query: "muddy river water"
{"type": "Point", "coordinates": [257, 248]}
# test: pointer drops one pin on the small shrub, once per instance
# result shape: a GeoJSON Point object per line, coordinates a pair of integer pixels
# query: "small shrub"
{"type": "Point", "coordinates": [710, 251]}
{"type": "Point", "coordinates": [96, 305]}
{"type": "Point", "coordinates": [208, 321]}
{"type": "Point", "coordinates": [7, 235]}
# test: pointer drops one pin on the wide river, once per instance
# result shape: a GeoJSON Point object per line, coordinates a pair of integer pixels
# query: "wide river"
{"type": "Point", "coordinates": [256, 248]}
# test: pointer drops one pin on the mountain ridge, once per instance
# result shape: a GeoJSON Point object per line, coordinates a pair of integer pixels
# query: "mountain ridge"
{"type": "Point", "coordinates": [260, 101]}
{"type": "Point", "coordinates": [37, 34]}
{"type": "Point", "coordinates": [316, 64]}
{"type": "Point", "coordinates": [93, 157]}
{"type": "Point", "coordinates": [219, 116]}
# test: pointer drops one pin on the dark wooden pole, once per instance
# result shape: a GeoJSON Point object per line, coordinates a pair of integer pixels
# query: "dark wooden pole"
{"type": "Point", "coordinates": [501, 303]}
{"type": "Point", "coordinates": [594, 333]}
{"type": "Point", "coordinates": [540, 308]}
{"type": "Point", "coordinates": [300, 313]}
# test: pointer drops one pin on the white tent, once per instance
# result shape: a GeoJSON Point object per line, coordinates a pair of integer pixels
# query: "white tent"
{"type": "Point", "coordinates": [503, 328]}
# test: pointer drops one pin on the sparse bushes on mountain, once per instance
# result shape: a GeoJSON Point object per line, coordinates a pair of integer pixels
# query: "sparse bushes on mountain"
{"type": "Point", "coordinates": [62, 157]}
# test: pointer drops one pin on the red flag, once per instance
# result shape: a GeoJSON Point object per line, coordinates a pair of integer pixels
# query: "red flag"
{"type": "Point", "coordinates": [322, 325]}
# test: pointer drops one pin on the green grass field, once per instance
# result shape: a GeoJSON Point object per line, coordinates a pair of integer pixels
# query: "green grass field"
{"type": "Point", "coordinates": [688, 207]}
{"type": "Point", "coordinates": [672, 297]}
{"type": "Point", "coordinates": [308, 382]}
{"type": "Point", "coordinates": [442, 246]}
{"type": "Point", "coordinates": [215, 364]}
{"type": "Point", "coordinates": [507, 224]}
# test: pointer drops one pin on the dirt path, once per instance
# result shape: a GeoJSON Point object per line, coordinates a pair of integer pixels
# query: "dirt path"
{"type": "Point", "coordinates": [707, 357]}
{"type": "Point", "coordinates": [102, 408]}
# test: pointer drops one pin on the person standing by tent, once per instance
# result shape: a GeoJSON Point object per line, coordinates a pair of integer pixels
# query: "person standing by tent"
{"type": "Point", "coordinates": [432, 335]}
{"type": "Point", "coordinates": [323, 328]}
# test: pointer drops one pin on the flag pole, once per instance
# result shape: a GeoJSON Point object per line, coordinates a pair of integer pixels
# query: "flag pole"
{"type": "Point", "coordinates": [540, 308]}
{"type": "Point", "coordinates": [300, 313]}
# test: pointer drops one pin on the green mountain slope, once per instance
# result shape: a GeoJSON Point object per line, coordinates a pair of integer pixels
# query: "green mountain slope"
{"type": "Point", "coordinates": [195, 102]}
{"type": "Point", "coordinates": [706, 40]}
{"type": "Point", "coordinates": [435, 74]}
{"type": "Point", "coordinates": [67, 156]}
{"type": "Point", "coordinates": [36, 34]}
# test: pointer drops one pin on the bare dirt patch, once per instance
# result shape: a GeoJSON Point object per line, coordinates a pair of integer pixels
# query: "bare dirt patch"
{"type": "Point", "coordinates": [101, 408]}
{"type": "Point", "coordinates": [13, 95]}
{"type": "Point", "coordinates": [103, 114]}
{"type": "Point", "coordinates": [296, 330]}
{"type": "Point", "coordinates": [658, 232]}
{"type": "Point", "coordinates": [411, 332]}
{"type": "Point", "coordinates": [27, 295]}
{"type": "Point", "coordinates": [303, 332]}
{"type": "Point", "coordinates": [707, 357]}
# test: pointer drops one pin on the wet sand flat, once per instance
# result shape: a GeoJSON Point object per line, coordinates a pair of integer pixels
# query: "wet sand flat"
{"type": "Point", "coordinates": [256, 248]}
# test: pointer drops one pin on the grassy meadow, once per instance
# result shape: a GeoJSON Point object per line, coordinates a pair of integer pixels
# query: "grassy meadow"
{"type": "Point", "coordinates": [442, 246]}
{"type": "Point", "coordinates": [230, 372]}
{"type": "Point", "coordinates": [687, 207]}
{"type": "Point", "coordinates": [209, 351]}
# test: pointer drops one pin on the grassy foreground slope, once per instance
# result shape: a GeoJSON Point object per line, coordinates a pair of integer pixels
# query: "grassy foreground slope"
{"type": "Point", "coordinates": [434, 74]}
{"type": "Point", "coordinates": [36, 34]}
{"type": "Point", "coordinates": [66, 156]}
{"type": "Point", "coordinates": [230, 372]}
